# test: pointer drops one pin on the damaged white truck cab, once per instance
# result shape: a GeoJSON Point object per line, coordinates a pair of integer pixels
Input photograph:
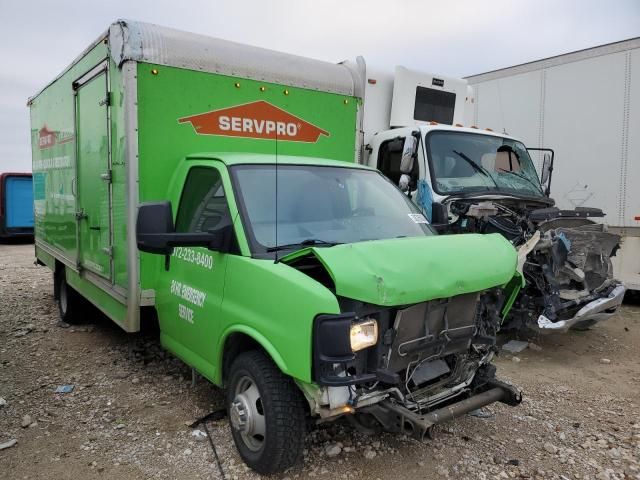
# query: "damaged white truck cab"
{"type": "Point", "coordinates": [471, 180]}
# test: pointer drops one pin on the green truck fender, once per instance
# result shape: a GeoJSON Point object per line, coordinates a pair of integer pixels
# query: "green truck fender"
{"type": "Point", "coordinates": [254, 336]}
{"type": "Point", "coordinates": [274, 305]}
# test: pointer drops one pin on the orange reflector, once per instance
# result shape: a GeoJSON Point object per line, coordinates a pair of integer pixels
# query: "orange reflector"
{"type": "Point", "coordinates": [637, 218]}
{"type": "Point", "coordinates": [341, 410]}
{"type": "Point", "coordinates": [458, 125]}
{"type": "Point", "coordinates": [473, 126]}
{"type": "Point", "coordinates": [433, 123]}
{"type": "Point", "coordinates": [372, 81]}
{"type": "Point", "coordinates": [489, 129]}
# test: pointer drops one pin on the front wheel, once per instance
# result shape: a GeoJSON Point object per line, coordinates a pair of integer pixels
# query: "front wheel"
{"type": "Point", "coordinates": [266, 413]}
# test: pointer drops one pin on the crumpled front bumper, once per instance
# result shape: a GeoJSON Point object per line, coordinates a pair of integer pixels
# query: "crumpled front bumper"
{"type": "Point", "coordinates": [593, 312]}
{"type": "Point", "coordinates": [398, 419]}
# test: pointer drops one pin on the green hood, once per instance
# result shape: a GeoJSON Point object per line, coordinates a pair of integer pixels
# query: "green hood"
{"type": "Point", "coordinates": [403, 271]}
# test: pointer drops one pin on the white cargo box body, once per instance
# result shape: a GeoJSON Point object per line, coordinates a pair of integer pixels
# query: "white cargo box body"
{"type": "Point", "coordinates": [586, 106]}
{"type": "Point", "coordinates": [411, 98]}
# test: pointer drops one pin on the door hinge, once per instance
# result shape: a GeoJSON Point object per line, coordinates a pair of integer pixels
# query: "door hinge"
{"type": "Point", "coordinates": [108, 251]}
{"type": "Point", "coordinates": [106, 100]}
{"type": "Point", "coordinates": [81, 215]}
{"type": "Point", "coordinates": [106, 176]}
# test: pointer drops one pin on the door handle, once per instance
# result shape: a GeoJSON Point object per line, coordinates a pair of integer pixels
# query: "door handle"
{"type": "Point", "coordinates": [94, 228]}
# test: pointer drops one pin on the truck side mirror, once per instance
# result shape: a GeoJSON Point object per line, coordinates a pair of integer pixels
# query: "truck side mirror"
{"type": "Point", "coordinates": [153, 227]}
{"type": "Point", "coordinates": [408, 154]}
{"type": "Point", "coordinates": [545, 175]}
{"type": "Point", "coordinates": [155, 232]}
{"type": "Point", "coordinates": [546, 168]}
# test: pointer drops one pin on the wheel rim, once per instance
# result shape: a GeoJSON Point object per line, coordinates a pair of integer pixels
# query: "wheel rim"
{"type": "Point", "coordinates": [63, 297]}
{"type": "Point", "coordinates": [247, 414]}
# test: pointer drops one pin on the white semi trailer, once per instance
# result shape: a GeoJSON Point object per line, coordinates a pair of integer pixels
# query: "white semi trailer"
{"type": "Point", "coordinates": [586, 106]}
{"type": "Point", "coordinates": [471, 179]}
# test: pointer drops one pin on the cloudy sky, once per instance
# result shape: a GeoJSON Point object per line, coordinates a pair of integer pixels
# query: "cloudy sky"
{"type": "Point", "coordinates": [38, 39]}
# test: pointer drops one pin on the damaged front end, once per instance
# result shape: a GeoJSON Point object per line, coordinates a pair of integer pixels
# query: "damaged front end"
{"type": "Point", "coordinates": [564, 256]}
{"type": "Point", "coordinates": [572, 260]}
{"type": "Point", "coordinates": [413, 344]}
{"type": "Point", "coordinates": [429, 364]}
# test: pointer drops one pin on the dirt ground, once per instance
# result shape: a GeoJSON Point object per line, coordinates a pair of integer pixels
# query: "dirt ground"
{"type": "Point", "coordinates": [129, 412]}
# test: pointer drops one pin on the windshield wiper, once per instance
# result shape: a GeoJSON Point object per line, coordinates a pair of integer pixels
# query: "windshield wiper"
{"type": "Point", "coordinates": [519, 175]}
{"type": "Point", "coordinates": [476, 167]}
{"type": "Point", "coordinates": [304, 243]}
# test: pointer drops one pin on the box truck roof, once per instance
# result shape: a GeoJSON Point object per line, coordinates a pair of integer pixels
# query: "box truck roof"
{"type": "Point", "coordinates": [145, 42]}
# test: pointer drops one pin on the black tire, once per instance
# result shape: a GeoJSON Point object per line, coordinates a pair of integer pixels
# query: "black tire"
{"type": "Point", "coordinates": [279, 409]}
{"type": "Point", "coordinates": [69, 301]}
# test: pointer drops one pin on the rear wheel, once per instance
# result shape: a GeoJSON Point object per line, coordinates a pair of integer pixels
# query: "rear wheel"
{"type": "Point", "coordinates": [266, 413]}
{"type": "Point", "coordinates": [69, 301]}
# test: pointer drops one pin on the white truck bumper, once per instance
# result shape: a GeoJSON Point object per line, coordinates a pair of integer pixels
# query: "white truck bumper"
{"type": "Point", "coordinates": [592, 312]}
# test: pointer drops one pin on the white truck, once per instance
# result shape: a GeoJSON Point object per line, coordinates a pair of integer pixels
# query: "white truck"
{"type": "Point", "coordinates": [586, 104]}
{"type": "Point", "coordinates": [467, 179]}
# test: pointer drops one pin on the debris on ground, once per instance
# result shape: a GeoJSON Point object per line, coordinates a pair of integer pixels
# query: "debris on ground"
{"type": "Point", "coordinates": [481, 413]}
{"type": "Point", "coordinates": [535, 347]}
{"type": "Point", "coordinates": [26, 421]}
{"type": "Point", "coordinates": [199, 435]}
{"type": "Point", "coordinates": [515, 346]}
{"type": "Point", "coordinates": [333, 450]}
{"type": "Point", "coordinates": [8, 444]}
{"type": "Point", "coordinates": [65, 388]}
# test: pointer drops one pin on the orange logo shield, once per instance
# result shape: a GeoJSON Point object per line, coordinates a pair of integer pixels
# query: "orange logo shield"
{"type": "Point", "coordinates": [255, 120]}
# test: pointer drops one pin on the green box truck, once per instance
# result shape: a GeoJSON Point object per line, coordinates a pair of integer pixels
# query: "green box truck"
{"type": "Point", "coordinates": [213, 184]}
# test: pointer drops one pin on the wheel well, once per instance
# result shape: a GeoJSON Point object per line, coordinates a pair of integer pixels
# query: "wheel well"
{"type": "Point", "coordinates": [238, 343]}
{"type": "Point", "coordinates": [234, 345]}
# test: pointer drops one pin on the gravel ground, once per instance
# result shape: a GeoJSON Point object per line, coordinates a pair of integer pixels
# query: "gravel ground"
{"type": "Point", "coordinates": [129, 413]}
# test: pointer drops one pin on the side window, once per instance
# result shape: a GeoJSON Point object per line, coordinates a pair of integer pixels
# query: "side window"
{"type": "Point", "coordinates": [203, 205]}
{"type": "Point", "coordinates": [389, 156]}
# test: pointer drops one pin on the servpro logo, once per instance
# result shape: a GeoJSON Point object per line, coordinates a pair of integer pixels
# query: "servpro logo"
{"type": "Point", "coordinates": [255, 120]}
{"type": "Point", "coordinates": [49, 138]}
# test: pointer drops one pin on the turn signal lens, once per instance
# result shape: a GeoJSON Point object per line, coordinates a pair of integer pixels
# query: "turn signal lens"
{"type": "Point", "coordinates": [364, 334]}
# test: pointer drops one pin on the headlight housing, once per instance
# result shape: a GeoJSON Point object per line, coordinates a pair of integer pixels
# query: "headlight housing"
{"type": "Point", "coordinates": [337, 340]}
{"type": "Point", "coordinates": [363, 334]}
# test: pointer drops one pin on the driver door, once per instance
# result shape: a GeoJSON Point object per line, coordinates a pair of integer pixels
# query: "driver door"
{"type": "Point", "coordinates": [190, 291]}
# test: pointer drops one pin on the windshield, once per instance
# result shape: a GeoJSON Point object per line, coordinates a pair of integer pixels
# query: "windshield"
{"type": "Point", "coordinates": [321, 206]}
{"type": "Point", "coordinates": [469, 162]}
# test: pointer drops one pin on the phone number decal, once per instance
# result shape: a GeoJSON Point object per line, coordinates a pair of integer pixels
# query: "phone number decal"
{"type": "Point", "coordinates": [195, 257]}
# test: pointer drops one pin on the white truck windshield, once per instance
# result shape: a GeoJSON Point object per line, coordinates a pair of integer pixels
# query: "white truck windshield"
{"type": "Point", "coordinates": [463, 162]}
{"type": "Point", "coordinates": [320, 205]}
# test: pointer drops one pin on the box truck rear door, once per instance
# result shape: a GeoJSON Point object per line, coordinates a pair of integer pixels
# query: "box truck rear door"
{"type": "Point", "coordinates": [93, 171]}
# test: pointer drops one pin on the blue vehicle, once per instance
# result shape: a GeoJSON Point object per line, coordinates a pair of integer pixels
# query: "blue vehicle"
{"type": "Point", "coordinates": [16, 205]}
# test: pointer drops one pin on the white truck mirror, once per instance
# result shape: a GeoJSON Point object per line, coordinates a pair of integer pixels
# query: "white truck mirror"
{"type": "Point", "coordinates": [408, 154]}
